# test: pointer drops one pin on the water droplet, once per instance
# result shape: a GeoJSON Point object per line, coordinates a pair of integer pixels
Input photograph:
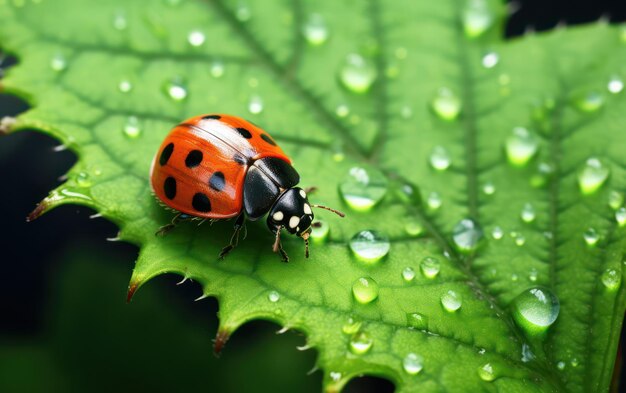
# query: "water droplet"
{"type": "Point", "coordinates": [560, 365]}
{"type": "Point", "coordinates": [589, 102]}
{"type": "Point", "coordinates": [119, 21]}
{"type": "Point", "coordinates": [273, 296]}
{"type": "Point", "coordinates": [357, 74]}
{"type": "Point", "coordinates": [543, 175]}
{"type": "Point", "coordinates": [430, 267]}
{"type": "Point", "coordinates": [489, 188]}
{"type": "Point", "coordinates": [451, 301]}
{"type": "Point", "coordinates": [535, 309]}
{"type": "Point", "coordinates": [176, 89]}
{"type": "Point", "coordinates": [406, 112]}
{"type": "Point", "coordinates": [243, 12]}
{"type": "Point", "coordinates": [413, 363]}
{"type": "Point", "coordinates": [439, 158]}
{"type": "Point", "coordinates": [527, 353]}
{"type": "Point", "coordinates": [217, 69]}
{"type": "Point", "coordinates": [370, 246]}
{"type": "Point", "coordinates": [342, 110]}
{"type": "Point", "coordinates": [486, 373]}
{"type": "Point", "coordinates": [196, 38]}
{"type": "Point", "coordinates": [466, 235]}
{"type": "Point", "coordinates": [611, 279]}
{"type": "Point", "coordinates": [255, 105]}
{"type": "Point", "coordinates": [434, 201]}
{"type": "Point", "coordinates": [620, 216]}
{"type": "Point", "coordinates": [315, 30]}
{"type": "Point", "coordinates": [574, 362]}
{"type": "Point", "coordinates": [514, 277]}
{"type": "Point", "coordinates": [125, 86]}
{"type": "Point", "coordinates": [519, 238]}
{"type": "Point", "coordinates": [490, 60]}
{"type": "Point", "coordinates": [360, 343]}
{"type": "Point", "coordinates": [363, 188]}
{"type": "Point", "coordinates": [352, 326]}
{"type": "Point", "coordinates": [446, 104]}
{"type": "Point", "coordinates": [591, 237]}
{"type": "Point", "coordinates": [616, 200]}
{"type": "Point", "coordinates": [528, 213]}
{"type": "Point", "coordinates": [592, 175]}
{"type": "Point", "coordinates": [58, 63]}
{"type": "Point", "coordinates": [365, 290]}
{"type": "Point", "coordinates": [615, 85]}
{"type": "Point", "coordinates": [416, 320]}
{"type": "Point", "coordinates": [320, 232]}
{"type": "Point", "coordinates": [477, 18]}
{"type": "Point", "coordinates": [408, 274]}
{"type": "Point", "coordinates": [413, 227]}
{"type": "Point", "coordinates": [132, 128]}
{"type": "Point", "coordinates": [521, 146]}
{"type": "Point", "coordinates": [497, 233]}
{"type": "Point", "coordinates": [335, 376]}
{"type": "Point", "coordinates": [83, 179]}
{"type": "Point", "coordinates": [532, 276]}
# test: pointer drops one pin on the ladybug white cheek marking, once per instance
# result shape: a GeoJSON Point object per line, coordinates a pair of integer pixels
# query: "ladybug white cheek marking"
{"type": "Point", "coordinates": [294, 221]}
{"type": "Point", "coordinates": [307, 209]}
{"type": "Point", "coordinates": [278, 216]}
{"type": "Point", "coordinates": [302, 194]}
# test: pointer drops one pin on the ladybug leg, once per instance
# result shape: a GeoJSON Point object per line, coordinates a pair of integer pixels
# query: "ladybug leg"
{"type": "Point", "coordinates": [234, 239]}
{"type": "Point", "coordinates": [178, 218]}
{"type": "Point", "coordinates": [278, 246]}
{"type": "Point", "coordinates": [311, 189]}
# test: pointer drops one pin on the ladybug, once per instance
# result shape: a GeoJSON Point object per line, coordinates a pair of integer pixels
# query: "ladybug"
{"type": "Point", "coordinates": [218, 167]}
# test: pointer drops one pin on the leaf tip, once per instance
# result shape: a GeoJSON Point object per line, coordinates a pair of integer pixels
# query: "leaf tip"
{"type": "Point", "coordinates": [221, 338]}
{"type": "Point", "coordinates": [41, 208]}
{"type": "Point", "coordinates": [132, 288]}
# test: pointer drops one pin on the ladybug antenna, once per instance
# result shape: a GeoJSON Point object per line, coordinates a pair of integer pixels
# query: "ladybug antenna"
{"type": "Point", "coordinates": [337, 212]}
{"type": "Point", "coordinates": [305, 236]}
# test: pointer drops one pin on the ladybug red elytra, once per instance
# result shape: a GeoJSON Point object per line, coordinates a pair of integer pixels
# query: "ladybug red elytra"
{"type": "Point", "coordinates": [220, 166]}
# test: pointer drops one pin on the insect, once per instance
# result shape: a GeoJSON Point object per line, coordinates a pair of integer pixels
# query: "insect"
{"type": "Point", "coordinates": [220, 166]}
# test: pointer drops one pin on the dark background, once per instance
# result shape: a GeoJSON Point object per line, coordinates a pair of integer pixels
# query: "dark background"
{"type": "Point", "coordinates": [35, 258]}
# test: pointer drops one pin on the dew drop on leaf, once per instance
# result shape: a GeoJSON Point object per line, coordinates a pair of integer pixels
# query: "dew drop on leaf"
{"type": "Point", "coordinates": [616, 200]}
{"type": "Point", "coordinates": [273, 296]}
{"type": "Point", "coordinates": [451, 301]}
{"type": "Point", "coordinates": [446, 104]}
{"type": "Point", "coordinates": [611, 279]}
{"type": "Point", "coordinates": [365, 290]}
{"type": "Point", "coordinates": [589, 102]}
{"type": "Point", "coordinates": [592, 175]}
{"type": "Point", "coordinates": [439, 158]}
{"type": "Point", "coordinates": [196, 38]}
{"type": "Point", "coordinates": [413, 227]}
{"type": "Point", "coordinates": [363, 188]}
{"type": "Point", "coordinates": [519, 238]}
{"type": "Point", "coordinates": [315, 30]}
{"type": "Point", "coordinates": [243, 12]}
{"type": "Point", "coordinates": [535, 309]}
{"type": "Point", "coordinates": [413, 363]}
{"type": "Point", "coordinates": [490, 59]}
{"type": "Point", "coordinates": [466, 235]}
{"type": "Point", "coordinates": [255, 105]}
{"type": "Point", "coordinates": [357, 74]}
{"type": "Point", "coordinates": [489, 188]}
{"type": "Point", "coordinates": [486, 372]}
{"type": "Point", "coordinates": [430, 267]}
{"type": "Point", "coordinates": [615, 85]}
{"type": "Point", "coordinates": [342, 110]}
{"type": "Point", "coordinates": [591, 237]}
{"type": "Point", "coordinates": [125, 86]}
{"type": "Point", "coordinates": [361, 343]}
{"type": "Point", "coordinates": [497, 233]}
{"type": "Point", "coordinates": [83, 179]}
{"type": "Point", "coordinates": [560, 365]}
{"type": "Point", "coordinates": [620, 216]}
{"type": "Point", "coordinates": [176, 89]}
{"type": "Point", "coordinates": [58, 63]}
{"type": "Point", "coordinates": [528, 213]}
{"type": "Point", "coordinates": [521, 146]}
{"type": "Point", "coordinates": [477, 18]}
{"type": "Point", "coordinates": [217, 69]}
{"type": "Point", "coordinates": [370, 246]}
{"type": "Point", "coordinates": [131, 128]}
{"type": "Point", "coordinates": [352, 326]}
{"type": "Point", "coordinates": [532, 276]}
{"type": "Point", "coordinates": [406, 112]}
{"type": "Point", "coordinates": [416, 320]}
{"type": "Point", "coordinates": [120, 22]}
{"type": "Point", "coordinates": [434, 201]}
{"type": "Point", "coordinates": [320, 232]}
{"type": "Point", "coordinates": [408, 274]}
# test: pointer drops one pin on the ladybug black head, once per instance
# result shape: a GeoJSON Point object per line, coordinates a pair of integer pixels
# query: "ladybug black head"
{"type": "Point", "coordinates": [292, 212]}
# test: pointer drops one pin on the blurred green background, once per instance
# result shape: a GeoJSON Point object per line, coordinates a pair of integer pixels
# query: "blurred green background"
{"type": "Point", "coordinates": [64, 323]}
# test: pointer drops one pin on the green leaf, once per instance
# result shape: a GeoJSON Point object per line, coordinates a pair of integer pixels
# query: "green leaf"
{"type": "Point", "coordinates": [425, 75]}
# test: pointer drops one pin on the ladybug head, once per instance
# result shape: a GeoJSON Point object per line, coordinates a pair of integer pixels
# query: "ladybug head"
{"type": "Point", "coordinates": [291, 212]}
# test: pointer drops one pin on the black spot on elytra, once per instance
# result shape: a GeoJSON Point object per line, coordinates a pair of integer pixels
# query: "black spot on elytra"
{"type": "Point", "coordinates": [169, 187]}
{"type": "Point", "coordinates": [244, 133]}
{"type": "Point", "coordinates": [201, 202]}
{"type": "Point", "coordinates": [217, 181]}
{"type": "Point", "coordinates": [194, 158]}
{"type": "Point", "coordinates": [213, 117]}
{"type": "Point", "coordinates": [268, 139]}
{"type": "Point", "coordinates": [166, 153]}
{"type": "Point", "coordinates": [240, 159]}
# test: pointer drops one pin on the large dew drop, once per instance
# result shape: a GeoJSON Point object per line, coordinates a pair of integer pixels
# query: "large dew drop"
{"type": "Point", "coordinates": [467, 235]}
{"type": "Point", "coordinates": [535, 309]}
{"type": "Point", "coordinates": [365, 290]}
{"type": "Point", "coordinates": [591, 237]}
{"type": "Point", "coordinates": [528, 213]}
{"type": "Point", "coordinates": [176, 89]}
{"type": "Point", "coordinates": [521, 146]}
{"type": "Point", "coordinates": [357, 74]}
{"type": "Point", "coordinates": [477, 18]}
{"type": "Point", "coordinates": [486, 372]}
{"type": "Point", "coordinates": [620, 216]}
{"type": "Point", "coordinates": [255, 105]}
{"type": "Point", "coordinates": [451, 301]}
{"type": "Point", "coordinates": [446, 104]}
{"type": "Point", "coordinates": [430, 267]}
{"type": "Point", "coordinates": [408, 274]}
{"type": "Point", "coordinates": [611, 279]}
{"type": "Point", "coordinates": [370, 246]}
{"type": "Point", "coordinates": [58, 63]}
{"type": "Point", "coordinates": [363, 188]}
{"type": "Point", "coordinates": [273, 296]}
{"type": "Point", "coordinates": [615, 85]}
{"type": "Point", "coordinates": [439, 158]}
{"type": "Point", "coordinates": [413, 363]}
{"type": "Point", "coordinates": [196, 38]}
{"type": "Point", "coordinates": [592, 175]}
{"type": "Point", "coordinates": [315, 30]}
{"type": "Point", "coordinates": [361, 343]}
